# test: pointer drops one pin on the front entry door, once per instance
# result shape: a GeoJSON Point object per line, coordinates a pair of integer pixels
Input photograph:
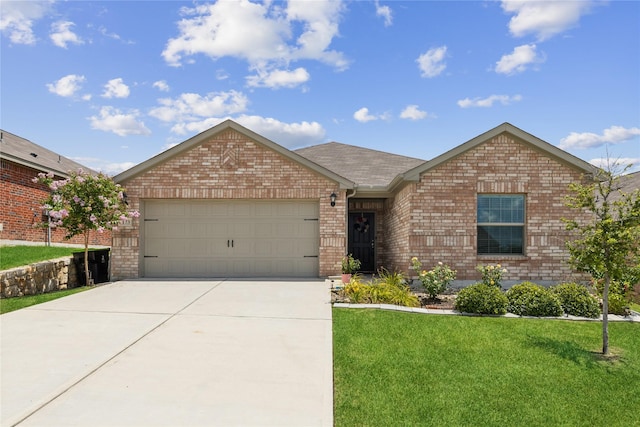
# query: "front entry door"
{"type": "Point", "coordinates": [362, 239]}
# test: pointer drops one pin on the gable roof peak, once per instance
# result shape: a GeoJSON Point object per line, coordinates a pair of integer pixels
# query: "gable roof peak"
{"type": "Point", "coordinates": [223, 126]}
{"type": "Point", "coordinates": [506, 127]}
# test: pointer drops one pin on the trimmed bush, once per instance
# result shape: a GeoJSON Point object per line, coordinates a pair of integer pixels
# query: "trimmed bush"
{"type": "Point", "coordinates": [576, 300]}
{"type": "Point", "coordinates": [380, 292]}
{"type": "Point", "coordinates": [618, 304]}
{"type": "Point", "coordinates": [529, 299]}
{"type": "Point", "coordinates": [481, 299]}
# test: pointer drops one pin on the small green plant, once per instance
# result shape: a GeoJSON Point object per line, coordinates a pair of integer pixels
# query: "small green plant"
{"type": "Point", "coordinates": [436, 280]}
{"type": "Point", "coordinates": [529, 299]}
{"type": "Point", "coordinates": [576, 300]}
{"type": "Point", "coordinates": [492, 274]}
{"type": "Point", "coordinates": [350, 265]}
{"type": "Point", "coordinates": [380, 292]}
{"type": "Point", "coordinates": [618, 304]}
{"type": "Point", "coordinates": [395, 278]}
{"type": "Point", "coordinates": [481, 299]}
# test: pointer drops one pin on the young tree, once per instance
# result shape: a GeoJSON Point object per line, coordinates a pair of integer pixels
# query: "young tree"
{"type": "Point", "coordinates": [84, 203]}
{"type": "Point", "coordinates": [606, 245]}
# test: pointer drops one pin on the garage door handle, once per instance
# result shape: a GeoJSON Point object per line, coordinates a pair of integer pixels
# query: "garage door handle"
{"type": "Point", "coordinates": [229, 243]}
{"type": "Point", "coordinates": [151, 256]}
{"type": "Point", "coordinates": [310, 256]}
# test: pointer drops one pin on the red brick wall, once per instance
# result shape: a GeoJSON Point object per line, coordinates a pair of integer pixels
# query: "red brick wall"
{"type": "Point", "coordinates": [435, 219]}
{"type": "Point", "coordinates": [232, 166]}
{"type": "Point", "coordinates": [21, 208]}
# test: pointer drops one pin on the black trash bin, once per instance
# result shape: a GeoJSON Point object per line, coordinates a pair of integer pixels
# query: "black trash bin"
{"type": "Point", "coordinates": [98, 266]}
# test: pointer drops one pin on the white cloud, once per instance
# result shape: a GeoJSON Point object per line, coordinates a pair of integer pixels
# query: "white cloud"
{"type": "Point", "coordinates": [18, 17]}
{"type": "Point", "coordinates": [301, 30]}
{"type": "Point", "coordinates": [113, 120]}
{"type": "Point", "coordinates": [104, 166]}
{"type": "Point", "coordinates": [278, 78]}
{"type": "Point", "coordinates": [67, 86]}
{"type": "Point", "coordinates": [488, 101]}
{"type": "Point", "coordinates": [518, 60]}
{"type": "Point", "coordinates": [114, 36]}
{"type": "Point", "coordinates": [412, 112]}
{"type": "Point", "coordinates": [285, 134]}
{"type": "Point", "coordinates": [161, 85]}
{"type": "Point", "coordinates": [61, 34]}
{"type": "Point", "coordinates": [363, 116]}
{"type": "Point", "coordinates": [545, 19]}
{"type": "Point", "coordinates": [612, 135]}
{"type": "Point", "coordinates": [192, 106]}
{"type": "Point", "coordinates": [115, 88]}
{"type": "Point", "coordinates": [618, 164]}
{"type": "Point", "coordinates": [431, 63]}
{"type": "Point", "coordinates": [385, 13]}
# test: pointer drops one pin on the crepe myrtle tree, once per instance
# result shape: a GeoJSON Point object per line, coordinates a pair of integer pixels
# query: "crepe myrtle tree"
{"type": "Point", "coordinates": [606, 245]}
{"type": "Point", "coordinates": [84, 203]}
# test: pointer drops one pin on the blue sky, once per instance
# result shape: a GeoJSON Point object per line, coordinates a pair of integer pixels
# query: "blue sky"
{"type": "Point", "coordinates": [113, 83]}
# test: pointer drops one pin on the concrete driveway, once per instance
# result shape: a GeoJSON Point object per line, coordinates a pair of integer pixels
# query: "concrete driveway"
{"type": "Point", "coordinates": [172, 353]}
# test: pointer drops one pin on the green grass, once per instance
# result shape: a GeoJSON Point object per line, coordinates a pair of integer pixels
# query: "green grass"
{"type": "Point", "coordinates": [394, 368]}
{"type": "Point", "coordinates": [11, 304]}
{"type": "Point", "coordinates": [16, 256]}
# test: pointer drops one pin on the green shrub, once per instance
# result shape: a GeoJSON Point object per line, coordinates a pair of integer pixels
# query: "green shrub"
{"type": "Point", "coordinates": [395, 278]}
{"type": "Point", "coordinates": [529, 299]}
{"type": "Point", "coordinates": [481, 299]}
{"type": "Point", "coordinates": [492, 274]}
{"type": "Point", "coordinates": [436, 280]}
{"type": "Point", "coordinates": [618, 304]}
{"type": "Point", "coordinates": [380, 292]}
{"type": "Point", "coordinates": [576, 300]}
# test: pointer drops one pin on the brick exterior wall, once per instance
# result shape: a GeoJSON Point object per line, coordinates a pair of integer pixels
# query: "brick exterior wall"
{"type": "Point", "coordinates": [231, 166]}
{"type": "Point", "coordinates": [435, 219]}
{"type": "Point", "coordinates": [21, 208]}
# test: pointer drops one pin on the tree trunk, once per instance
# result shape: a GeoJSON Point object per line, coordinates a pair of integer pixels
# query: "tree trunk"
{"type": "Point", "coordinates": [87, 279]}
{"type": "Point", "coordinates": [605, 315]}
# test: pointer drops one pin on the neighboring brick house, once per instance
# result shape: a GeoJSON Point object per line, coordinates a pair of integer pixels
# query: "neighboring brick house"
{"type": "Point", "coordinates": [229, 202]}
{"type": "Point", "coordinates": [21, 213]}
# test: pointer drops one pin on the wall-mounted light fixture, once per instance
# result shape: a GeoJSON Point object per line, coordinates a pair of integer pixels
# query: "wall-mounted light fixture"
{"type": "Point", "coordinates": [333, 199]}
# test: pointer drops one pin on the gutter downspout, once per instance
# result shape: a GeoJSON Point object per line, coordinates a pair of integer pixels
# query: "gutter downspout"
{"type": "Point", "coordinates": [346, 222]}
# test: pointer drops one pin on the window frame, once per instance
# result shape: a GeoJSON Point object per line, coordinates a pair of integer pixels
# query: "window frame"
{"type": "Point", "coordinates": [522, 225]}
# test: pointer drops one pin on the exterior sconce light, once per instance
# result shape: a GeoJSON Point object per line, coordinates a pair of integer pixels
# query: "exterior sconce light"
{"type": "Point", "coordinates": [333, 199]}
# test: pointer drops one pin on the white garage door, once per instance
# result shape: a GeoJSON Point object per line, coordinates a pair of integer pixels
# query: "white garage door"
{"type": "Point", "coordinates": [205, 238]}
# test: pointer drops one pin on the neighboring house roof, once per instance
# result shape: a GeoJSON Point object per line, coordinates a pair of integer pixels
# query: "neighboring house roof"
{"type": "Point", "coordinates": [24, 152]}
{"type": "Point", "coordinates": [366, 167]}
{"type": "Point", "coordinates": [226, 125]}
{"type": "Point", "coordinates": [628, 184]}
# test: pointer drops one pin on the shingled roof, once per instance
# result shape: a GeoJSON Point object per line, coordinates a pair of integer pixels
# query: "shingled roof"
{"type": "Point", "coordinates": [24, 152]}
{"type": "Point", "coordinates": [368, 168]}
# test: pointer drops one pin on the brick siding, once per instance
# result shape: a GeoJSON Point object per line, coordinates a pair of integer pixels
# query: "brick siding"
{"type": "Point", "coordinates": [435, 219]}
{"type": "Point", "coordinates": [231, 166]}
{"type": "Point", "coordinates": [21, 211]}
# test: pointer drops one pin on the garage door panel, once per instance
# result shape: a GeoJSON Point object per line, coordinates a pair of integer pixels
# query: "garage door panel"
{"type": "Point", "coordinates": [231, 238]}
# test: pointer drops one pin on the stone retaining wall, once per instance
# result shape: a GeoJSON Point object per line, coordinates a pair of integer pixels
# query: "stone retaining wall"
{"type": "Point", "coordinates": [38, 278]}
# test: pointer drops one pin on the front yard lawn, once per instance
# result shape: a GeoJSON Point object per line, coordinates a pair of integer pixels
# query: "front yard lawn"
{"type": "Point", "coordinates": [17, 256]}
{"type": "Point", "coordinates": [12, 304]}
{"type": "Point", "coordinates": [393, 368]}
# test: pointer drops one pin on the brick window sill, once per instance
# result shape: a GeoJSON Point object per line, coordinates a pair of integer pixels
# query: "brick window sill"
{"type": "Point", "coordinates": [502, 257]}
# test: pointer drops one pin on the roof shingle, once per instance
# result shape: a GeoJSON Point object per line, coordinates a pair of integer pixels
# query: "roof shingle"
{"type": "Point", "coordinates": [366, 167]}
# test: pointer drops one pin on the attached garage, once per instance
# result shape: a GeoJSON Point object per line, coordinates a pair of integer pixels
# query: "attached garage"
{"type": "Point", "coordinates": [239, 238]}
{"type": "Point", "coordinates": [230, 203]}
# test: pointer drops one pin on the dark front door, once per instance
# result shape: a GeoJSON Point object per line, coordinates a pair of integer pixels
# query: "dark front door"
{"type": "Point", "coordinates": [362, 239]}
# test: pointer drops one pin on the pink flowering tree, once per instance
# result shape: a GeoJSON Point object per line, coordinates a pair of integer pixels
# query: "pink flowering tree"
{"type": "Point", "coordinates": [84, 203]}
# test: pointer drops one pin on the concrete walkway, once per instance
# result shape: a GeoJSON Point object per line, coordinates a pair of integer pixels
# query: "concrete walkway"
{"type": "Point", "coordinates": [171, 353]}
